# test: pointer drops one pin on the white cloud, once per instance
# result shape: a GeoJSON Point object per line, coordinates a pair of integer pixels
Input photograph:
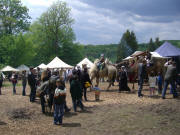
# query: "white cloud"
{"type": "Point", "coordinates": [44, 3]}
{"type": "Point", "coordinates": [102, 26]}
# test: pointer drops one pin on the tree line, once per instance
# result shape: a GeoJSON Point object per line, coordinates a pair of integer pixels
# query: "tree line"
{"type": "Point", "coordinates": [23, 42]}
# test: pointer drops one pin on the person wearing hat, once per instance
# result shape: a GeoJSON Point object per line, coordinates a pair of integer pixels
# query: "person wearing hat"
{"type": "Point", "coordinates": [32, 84]}
{"type": "Point", "coordinates": [170, 78]}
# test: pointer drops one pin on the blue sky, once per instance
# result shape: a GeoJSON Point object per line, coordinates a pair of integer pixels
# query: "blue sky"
{"type": "Point", "coordinates": [104, 21]}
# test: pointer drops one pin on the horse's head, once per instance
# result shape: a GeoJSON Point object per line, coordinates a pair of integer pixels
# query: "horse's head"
{"type": "Point", "coordinates": [107, 61]}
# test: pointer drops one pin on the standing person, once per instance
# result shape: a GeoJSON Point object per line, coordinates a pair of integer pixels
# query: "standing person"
{"type": "Point", "coordinates": [14, 78]}
{"type": "Point", "coordinates": [38, 76]}
{"type": "Point", "coordinates": [32, 84]}
{"type": "Point", "coordinates": [152, 84]}
{"type": "Point", "coordinates": [49, 72]}
{"type": "Point", "coordinates": [76, 93]}
{"type": "Point", "coordinates": [24, 82]}
{"type": "Point", "coordinates": [159, 83]}
{"type": "Point", "coordinates": [123, 83]}
{"type": "Point", "coordinates": [85, 79]}
{"type": "Point", "coordinates": [42, 89]}
{"type": "Point", "coordinates": [141, 75]}
{"type": "Point", "coordinates": [65, 76]}
{"type": "Point", "coordinates": [59, 101]}
{"type": "Point", "coordinates": [79, 73]}
{"type": "Point", "coordinates": [1, 81]}
{"type": "Point", "coordinates": [170, 77]}
{"type": "Point", "coordinates": [65, 105]}
{"type": "Point", "coordinates": [44, 76]}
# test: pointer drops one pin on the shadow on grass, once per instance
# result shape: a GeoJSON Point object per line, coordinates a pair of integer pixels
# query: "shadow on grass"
{"type": "Point", "coordinates": [71, 125]}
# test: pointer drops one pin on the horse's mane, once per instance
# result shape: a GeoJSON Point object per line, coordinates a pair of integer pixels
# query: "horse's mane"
{"type": "Point", "coordinates": [96, 61]}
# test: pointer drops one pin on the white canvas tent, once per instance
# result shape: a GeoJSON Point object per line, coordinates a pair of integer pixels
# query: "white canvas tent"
{"type": "Point", "coordinates": [23, 67]}
{"type": "Point", "coordinates": [58, 63]}
{"type": "Point", "coordinates": [9, 68]}
{"type": "Point", "coordinates": [86, 62]}
{"type": "Point", "coordinates": [136, 53]}
{"type": "Point", "coordinates": [128, 58]}
{"type": "Point", "coordinates": [157, 55]}
{"type": "Point", "coordinates": [42, 66]}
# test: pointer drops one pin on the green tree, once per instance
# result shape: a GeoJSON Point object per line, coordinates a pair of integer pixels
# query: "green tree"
{"type": "Point", "coordinates": [157, 42]}
{"type": "Point", "coordinates": [121, 51]}
{"type": "Point", "coordinates": [14, 17]}
{"type": "Point", "coordinates": [16, 50]}
{"type": "Point", "coordinates": [151, 45]}
{"type": "Point", "coordinates": [56, 24]}
{"type": "Point", "coordinates": [127, 45]}
{"type": "Point", "coordinates": [131, 40]}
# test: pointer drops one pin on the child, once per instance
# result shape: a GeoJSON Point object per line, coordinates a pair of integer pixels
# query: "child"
{"type": "Point", "coordinates": [159, 83]}
{"type": "Point", "coordinates": [59, 101]}
{"type": "Point", "coordinates": [97, 92]}
{"type": "Point", "coordinates": [152, 83]}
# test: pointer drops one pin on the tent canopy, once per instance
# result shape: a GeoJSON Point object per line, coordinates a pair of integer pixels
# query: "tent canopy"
{"type": "Point", "coordinates": [157, 55]}
{"type": "Point", "coordinates": [42, 66]}
{"type": "Point", "coordinates": [128, 58]}
{"type": "Point", "coordinates": [168, 50]}
{"type": "Point", "coordinates": [58, 63]}
{"type": "Point", "coordinates": [9, 68]}
{"type": "Point", "coordinates": [137, 53]}
{"type": "Point", "coordinates": [85, 61]}
{"type": "Point", "coordinates": [23, 67]}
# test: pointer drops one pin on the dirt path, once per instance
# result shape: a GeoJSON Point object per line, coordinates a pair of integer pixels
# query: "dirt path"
{"type": "Point", "coordinates": [116, 114]}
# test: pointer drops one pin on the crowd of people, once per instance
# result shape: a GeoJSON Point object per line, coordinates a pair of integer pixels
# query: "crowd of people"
{"type": "Point", "coordinates": [50, 86]}
{"type": "Point", "coordinates": [52, 90]}
{"type": "Point", "coordinates": [170, 77]}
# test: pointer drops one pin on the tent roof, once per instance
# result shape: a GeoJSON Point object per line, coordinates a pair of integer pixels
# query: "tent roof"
{"type": "Point", "coordinates": [155, 54]}
{"type": "Point", "coordinates": [8, 68]}
{"type": "Point", "coordinates": [167, 49]}
{"type": "Point", "coordinates": [58, 63]}
{"type": "Point", "coordinates": [23, 67]}
{"type": "Point", "coordinates": [43, 66]}
{"type": "Point", "coordinates": [137, 53]}
{"type": "Point", "coordinates": [85, 61]}
{"type": "Point", "coordinates": [127, 58]}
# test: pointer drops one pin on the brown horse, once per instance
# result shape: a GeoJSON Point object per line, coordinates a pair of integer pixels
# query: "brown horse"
{"type": "Point", "coordinates": [158, 66]}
